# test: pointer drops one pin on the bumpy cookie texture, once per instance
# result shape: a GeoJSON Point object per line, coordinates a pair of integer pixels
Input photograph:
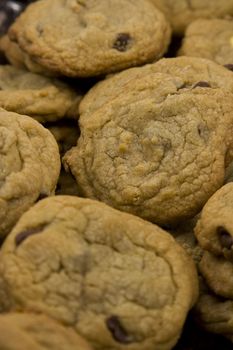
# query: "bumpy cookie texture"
{"type": "Point", "coordinates": [190, 69]}
{"type": "Point", "coordinates": [214, 229]}
{"type": "Point", "coordinates": [182, 12]}
{"type": "Point", "coordinates": [40, 97]}
{"type": "Point", "coordinates": [19, 58]}
{"type": "Point", "coordinates": [214, 313]}
{"type": "Point", "coordinates": [217, 272]}
{"type": "Point", "coordinates": [212, 39]}
{"type": "Point", "coordinates": [27, 331]}
{"type": "Point", "coordinates": [157, 150]}
{"type": "Point", "coordinates": [29, 164]}
{"type": "Point", "coordinates": [93, 37]}
{"type": "Point", "coordinates": [121, 282]}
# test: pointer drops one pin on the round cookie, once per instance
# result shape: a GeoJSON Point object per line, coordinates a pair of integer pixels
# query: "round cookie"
{"type": "Point", "coordinates": [157, 150]}
{"type": "Point", "coordinates": [214, 229]}
{"type": "Point", "coordinates": [90, 38]}
{"type": "Point", "coordinates": [121, 282]}
{"type": "Point", "coordinates": [29, 163]}
{"type": "Point", "coordinates": [40, 97]}
{"type": "Point", "coordinates": [211, 39]}
{"type": "Point", "coordinates": [190, 69]}
{"type": "Point", "coordinates": [181, 13]}
{"type": "Point", "coordinates": [21, 331]}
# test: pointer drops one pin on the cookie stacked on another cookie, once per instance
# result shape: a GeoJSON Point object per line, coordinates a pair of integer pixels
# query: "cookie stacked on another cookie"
{"type": "Point", "coordinates": [119, 281]}
{"type": "Point", "coordinates": [214, 232]}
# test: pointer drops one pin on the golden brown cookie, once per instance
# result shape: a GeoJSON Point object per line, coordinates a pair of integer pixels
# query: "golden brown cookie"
{"type": "Point", "coordinates": [157, 150]}
{"type": "Point", "coordinates": [191, 70]}
{"type": "Point", "coordinates": [181, 13]}
{"type": "Point", "coordinates": [214, 229]}
{"type": "Point", "coordinates": [210, 38]}
{"type": "Point", "coordinates": [89, 38]}
{"type": "Point", "coordinates": [40, 97]}
{"type": "Point", "coordinates": [121, 282]}
{"type": "Point", "coordinates": [29, 166]}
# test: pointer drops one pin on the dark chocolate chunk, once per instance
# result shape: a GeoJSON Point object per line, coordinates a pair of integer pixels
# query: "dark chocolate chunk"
{"type": "Point", "coordinates": [28, 232]}
{"type": "Point", "coordinates": [117, 330]}
{"type": "Point", "coordinates": [225, 239]}
{"type": "Point", "coordinates": [202, 84]}
{"type": "Point", "coordinates": [229, 66]}
{"type": "Point", "coordinates": [122, 42]}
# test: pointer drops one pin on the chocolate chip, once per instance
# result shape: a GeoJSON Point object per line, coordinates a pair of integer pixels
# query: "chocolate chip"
{"type": "Point", "coordinates": [225, 239]}
{"type": "Point", "coordinates": [122, 42]}
{"type": "Point", "coordinates": [117, 330]}
{"type": "Point", "coordinates": [25, 234]}
{"type": "Point", "coordinates": [229, 66]}
{"type": "Point", "coordinates": [201, 84]}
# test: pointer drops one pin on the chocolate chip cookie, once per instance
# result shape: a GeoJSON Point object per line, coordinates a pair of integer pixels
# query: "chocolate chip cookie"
{"type": "Point", "coordinates": [120, 281]}
{"type": "Point", "coordinates": [40, 97]}
{"type": "Point", "coordinates": [29, 164]}
{"type": "Point", "coordinates": [89, 38]}
{"type": "Point", "coordinates": [212, 39]}
{"type": "Point", "coordinates": [27, 331]}
{"type": "Point", "coordinates": [191, 69]}
{"type": "Point", "coordinates": [182, 12]}
{"type": "Point", "coordinates": [157, 150]}
{"type": "Point", "coordinates": [214, 230]}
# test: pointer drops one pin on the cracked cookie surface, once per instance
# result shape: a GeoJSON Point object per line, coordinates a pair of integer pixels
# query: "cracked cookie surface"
{"type": "Point", "coordinates": [120, 281]}
{"type": "Point", "coordinates": [22, 331]}
{"type": "Point", "coordinates": [42, 98]}
{"type": "Point", "coordinates": [190, 69]}
{"type": "Point", "coordinates": [29, 164]}
{"type": "Point", "coordinates": [93, 37]}
{"type": "Point", "coordinates": [157, 150]}
{"type": "Point", "coordinates": [211, 39]}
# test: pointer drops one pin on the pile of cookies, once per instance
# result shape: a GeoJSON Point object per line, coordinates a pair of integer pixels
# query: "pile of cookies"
{"type": "Point", "coordinates": [116, 162]}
